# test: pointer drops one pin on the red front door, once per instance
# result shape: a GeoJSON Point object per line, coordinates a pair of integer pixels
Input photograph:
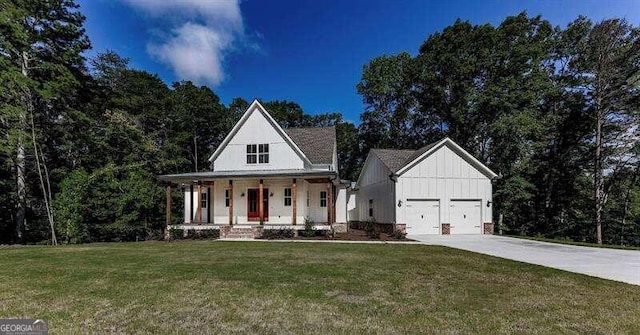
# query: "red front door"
{"type": "Point", "coordinates": [253, 210]}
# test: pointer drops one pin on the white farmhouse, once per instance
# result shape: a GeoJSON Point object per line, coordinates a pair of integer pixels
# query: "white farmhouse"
{"type": "Point", "coordinates": [264, 177]}
{"type": "Point", "coordinates": [438, 189]}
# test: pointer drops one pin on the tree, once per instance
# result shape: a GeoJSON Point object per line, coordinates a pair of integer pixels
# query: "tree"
{"type": "Point", "coordinates": [606, 68]}
{"type": "Point", "coordinates": [41, 45]}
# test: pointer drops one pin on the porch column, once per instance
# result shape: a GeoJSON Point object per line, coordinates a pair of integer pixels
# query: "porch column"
{"type": "Point", "coordinates": [168, 204]}
{"type": "Point", "coordinates": [329, 203]}
{"type": "Point", "coordinates": [261, 203]}
{"type": "Point", "coordinates": [294, 200]}
{"type": "Point", "coordinates": [191, 203]}
{"type": "Point", "coordinates": [209, 196]}
{"type": "Point", "coordinates": [230, 202]}
{"type": "Point", "coordinates": [199, 206]}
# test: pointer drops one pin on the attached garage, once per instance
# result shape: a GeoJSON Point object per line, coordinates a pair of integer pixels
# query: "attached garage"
{"type": "Point", "coordinates": [465, 217]}
{"type": "Point", "coordinates": [437, 189]}
{"type": "Point", "coordinates": [423, 216]}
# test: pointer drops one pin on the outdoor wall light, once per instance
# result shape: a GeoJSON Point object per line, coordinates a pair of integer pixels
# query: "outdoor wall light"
{"type": "Point", "coordinates": [399, 203]}
{"type": "Point", "coordinates": [488, 203]}
{"type": "Point", "coordinates": [271, 194]}
{"type": "Point", "coordinates": [242, 194]}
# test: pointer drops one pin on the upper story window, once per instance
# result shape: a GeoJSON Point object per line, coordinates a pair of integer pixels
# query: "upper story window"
{"type": "Point", "coordinates": [258, 153]}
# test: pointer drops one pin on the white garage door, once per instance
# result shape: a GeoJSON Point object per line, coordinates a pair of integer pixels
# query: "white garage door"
{"type": "Point", "coordinates": [423, 216]}
{"type": "Point", "coordinates": [466, 216]}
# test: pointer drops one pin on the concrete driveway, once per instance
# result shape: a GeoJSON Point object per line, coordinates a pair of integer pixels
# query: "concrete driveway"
{"type": "Point", "coordinates": [620, 265]}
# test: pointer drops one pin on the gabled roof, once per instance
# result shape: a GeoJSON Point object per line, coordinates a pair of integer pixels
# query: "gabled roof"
{"type": "Point", "coordinates": [316, 143]}
{"type": "Point", "coordinates": [399, 161]}
{"type": "Point", "coordinates": [257, 107]}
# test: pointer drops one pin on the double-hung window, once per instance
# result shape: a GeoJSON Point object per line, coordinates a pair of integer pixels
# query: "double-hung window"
{"type": "Point", "coordinates": [252, 153]}
{"type": "Point", "coordinates": [287, 196]}
{"type": "Point", "coordinates": [263, 153]}
{"type": "Point", "coordinates": [370, 207]}
{"type": "Point", "coordinates": [323, 198]}
{"type": "Point", "coordinates": [203, 200]}
{"type": "Point", "coordinates": [226, 198]}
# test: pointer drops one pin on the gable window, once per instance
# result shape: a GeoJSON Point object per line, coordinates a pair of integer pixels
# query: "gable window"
{"type": "Point", "coordinates": [287, 196]}
{"type": "Point", "coordinates": [258, 153]}
{"type": "Point", "coordinates": [226, 198]}
{"type": "Point", "coordinates": [371, 207]}
{"type": "Point", "coordinates": [263, 153]}
{"type": "Point", "coordinates": [323, 198]}
{"type": "Point", "coordinates": [203, 200]}
{"type": "Point", "coordinates": [252, 154]}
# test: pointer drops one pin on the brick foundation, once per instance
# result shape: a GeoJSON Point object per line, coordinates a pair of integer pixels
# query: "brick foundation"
{"type": "Point", "coordinates": [488, 228]}
{"type": "Point", "coordinates": [446, 229]}
{"type": "Point", "coordinates": [401, 227]}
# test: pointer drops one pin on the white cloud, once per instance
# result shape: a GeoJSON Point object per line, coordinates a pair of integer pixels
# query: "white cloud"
{"type": "Point", "coordinates": [201, 33]}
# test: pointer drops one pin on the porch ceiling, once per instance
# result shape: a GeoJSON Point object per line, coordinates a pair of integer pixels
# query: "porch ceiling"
{"type": "Point", "coordinates": [213, 175]}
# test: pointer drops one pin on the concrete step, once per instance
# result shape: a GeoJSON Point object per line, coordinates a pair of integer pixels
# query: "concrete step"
{"type": "Point", "coordinates": [239, 233]}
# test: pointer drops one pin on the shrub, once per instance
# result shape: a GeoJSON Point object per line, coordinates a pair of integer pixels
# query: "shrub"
{"type": "Point", "coordinates": [208, 234]}
{"type": "Point", "coordinates": [277, 234]}
{"type": "Point", "coordinates": [309, 227]}
{"type": "Point", "coordinates": [370, 229]}
{"type": "Point", "coordinates": [176, 233]}
{"type": "Point", "coordinates": [399, 235]}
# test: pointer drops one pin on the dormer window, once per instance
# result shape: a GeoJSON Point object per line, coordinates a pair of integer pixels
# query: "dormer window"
{"type": "Point", "coordinates": [258, 153]}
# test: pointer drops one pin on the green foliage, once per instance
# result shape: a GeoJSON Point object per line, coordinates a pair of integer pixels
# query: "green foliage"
{"type": "Point", "coordinates": [309, 227]}
{"type": "Point", "coordinates": [70, 208]}
{"type": "Point", "coordinates": [176, 233]}
{"type": "Point", "coordinates": [371, 228]}
{"type": "Point", "coordinates": [277, 234]}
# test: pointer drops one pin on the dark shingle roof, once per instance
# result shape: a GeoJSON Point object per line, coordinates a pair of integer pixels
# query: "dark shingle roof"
{"type": "Point", "coordinates": [396, 159]}
{"type": "Point", "coordinates": [316, 143]}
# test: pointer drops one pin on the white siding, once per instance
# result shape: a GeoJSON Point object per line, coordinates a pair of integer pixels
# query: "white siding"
{"type": "Point", "coordinates": [443, 176]}
{"type": "Point", "coordinates": [352, 211]}
{"type": "Point", "coordinates": [341, 205]}
{"type": "Point", "coordinates": [257, 130]}
{"type": "Point", "coordinates": [374, 183]}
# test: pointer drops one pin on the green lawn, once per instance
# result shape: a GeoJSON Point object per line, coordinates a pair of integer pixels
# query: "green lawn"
{"type": "Point", "coordinates": [262, 287]}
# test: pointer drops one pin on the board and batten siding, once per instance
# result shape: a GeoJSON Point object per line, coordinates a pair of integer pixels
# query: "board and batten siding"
{"type": "Point", "coordinates": [375, 185]}
{"type": "Point", "coordinates": [444, 176]}
{"type": "Point", "coordinates": [257, 130]}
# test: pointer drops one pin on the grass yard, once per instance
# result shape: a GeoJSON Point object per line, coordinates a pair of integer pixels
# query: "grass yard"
{"type": "Point", "coordinates": [263, 287]}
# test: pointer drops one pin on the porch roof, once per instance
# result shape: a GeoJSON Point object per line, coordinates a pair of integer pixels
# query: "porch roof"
{"type": "Point", "coordinates": [212, 175]}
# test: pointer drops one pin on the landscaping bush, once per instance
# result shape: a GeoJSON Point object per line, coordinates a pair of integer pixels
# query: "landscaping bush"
{"type": "Point", "coordinates": [277, 234]}
{"type": "Point", "coordinates": [207, 234]}
{"type": "Point", "coordinates": [308, 227]}
{"type": "Point", "coordinates": [370, 229]}
{"type": "Point", "coordinates": [399, 235]}
{"type": "Point", "coordinates": [176, 233]}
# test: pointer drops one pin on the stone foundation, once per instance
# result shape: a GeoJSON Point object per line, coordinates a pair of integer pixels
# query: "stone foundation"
{"type": "Point", "coordinates": [488, 228]}
{"type": "Point", "coordinates": [446, 229]}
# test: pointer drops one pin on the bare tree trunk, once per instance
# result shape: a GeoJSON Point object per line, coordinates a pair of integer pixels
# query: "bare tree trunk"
{"type": "Point", "coordinates": [22, 191]}
{"type": "Point", "coordinates": [195, 146]}
{"type": "Point", "coordinates": [598, 175]}
{"type": "Point", "coordinates": [46, 194]}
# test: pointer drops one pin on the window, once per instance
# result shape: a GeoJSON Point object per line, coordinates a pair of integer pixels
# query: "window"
{"type": "Point", "coordinates": [371, 207]}
{"type": "Point", "coordinates": [252, 154]}
{"type": "Point", "coordinates": [308, 198]}
{"type": "Point", "coordinates": [258, 153]}
{"type": "Point", "coordinates": [287, 196]}
{"type": "Point", "coordinates": [263, 153]}
{"type": "Point", "coordinates": [323, 198]}
{"type": "Point", "coordinates": [203, 200]}
{"type": "Point", "coordinates": [226, 198]}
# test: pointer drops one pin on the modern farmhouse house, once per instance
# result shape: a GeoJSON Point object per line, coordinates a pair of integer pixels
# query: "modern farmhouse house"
{"type": "Point", "coordinates": [438, 189]}
{"type": "Point", "coordinates": [264, 177]}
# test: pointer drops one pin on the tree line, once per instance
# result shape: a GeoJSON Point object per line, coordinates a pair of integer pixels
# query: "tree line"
{"type": "Point", "coordinates": [553, 110]}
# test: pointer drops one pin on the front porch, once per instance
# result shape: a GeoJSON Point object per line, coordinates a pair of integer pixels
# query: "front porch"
{"type": "Point", "coordinates": [267, 202]}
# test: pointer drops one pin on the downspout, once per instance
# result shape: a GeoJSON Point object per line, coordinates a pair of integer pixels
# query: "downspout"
{"type": "Point", "coordinates": [394, 179]}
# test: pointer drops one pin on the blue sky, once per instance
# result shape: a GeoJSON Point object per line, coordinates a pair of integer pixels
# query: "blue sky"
{"type": "Point", "coordinates": [310, 52]}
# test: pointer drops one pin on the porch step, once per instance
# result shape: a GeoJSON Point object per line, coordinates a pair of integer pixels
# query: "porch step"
{"type": "Point", "coordinates": [239, 233]}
